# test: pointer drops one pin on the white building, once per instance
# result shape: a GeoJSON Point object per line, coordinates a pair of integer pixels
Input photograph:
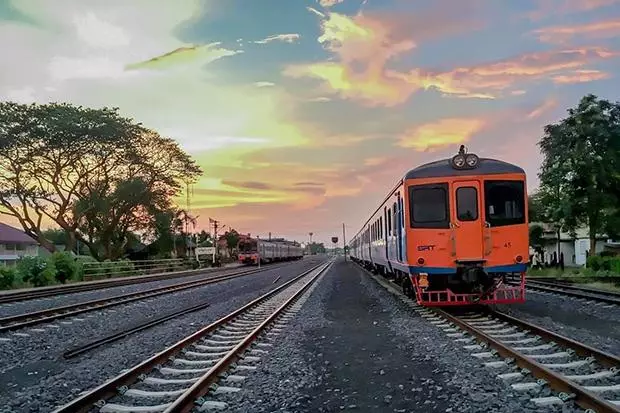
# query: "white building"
{"type": "Point", "coordinates": [15, 244]}
{"type": "Point", "coordinates": [574, 249]}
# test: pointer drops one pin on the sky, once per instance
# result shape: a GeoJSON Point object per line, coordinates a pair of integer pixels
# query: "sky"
{"type": "Point", "coordinates": [303, 114]}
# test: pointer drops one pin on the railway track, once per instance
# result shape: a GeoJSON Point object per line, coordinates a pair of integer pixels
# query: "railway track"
{"type": "Point", "coordinates": [530, 358]}
{"type": "Point", "coordinates": [550, 368]}
{"type": "Point", "coordinates": [45, 292]}
{"type": "Point", "coordinates": [185, 375]}
{"type": "Point", "coordinates": [19, 321]}
{"type": "Point", "coordinates": [608, 297]}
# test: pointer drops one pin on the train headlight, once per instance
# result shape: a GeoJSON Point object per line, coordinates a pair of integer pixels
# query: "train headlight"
{"type": "Point", "coordinates": [458, 161]}
{"type": "Point", "coordinates": [471, 160]}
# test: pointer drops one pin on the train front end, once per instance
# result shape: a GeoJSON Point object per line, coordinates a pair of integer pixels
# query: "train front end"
{"type": "Point", "coordinates": [248, 251]}
{"type": "Point", "coordinates": [468, 230]}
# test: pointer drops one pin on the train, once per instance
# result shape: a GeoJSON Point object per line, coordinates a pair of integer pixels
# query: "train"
{"type": "Point", "coordinates": [450, 232]}
{"type": "Point", "coordinates": [253, 250]}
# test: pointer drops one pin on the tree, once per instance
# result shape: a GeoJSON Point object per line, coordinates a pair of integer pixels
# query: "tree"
{"type": "Point", "coordinates": [66, 163]}
{"type": "Point", "coordinates": [579, 176]}
{"type": "Point", "coordinates": [205, 239]}
{"type": "Point", "coordinates": [535, 207]}
{"type": "Point", "coordinates": [232, 240]}
{"type": "Point", "coordinates": [107, 216]}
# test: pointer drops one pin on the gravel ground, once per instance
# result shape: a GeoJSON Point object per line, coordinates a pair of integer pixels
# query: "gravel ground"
{"type": "Point", "coordinates": [36, 378]}
{"type": "Point", "coordinates": [353, 346]}
{"type": "Point", "coordinates": [597, 324]}
{"type": "Point", "coordinates": [68, 299]}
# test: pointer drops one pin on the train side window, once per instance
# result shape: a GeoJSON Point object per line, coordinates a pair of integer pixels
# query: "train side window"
{"type": "Point", "coordinates": [394, 220]}
{"type": "Point", "coordinates": [504, 202]}
{"type": "Point", "coordinates": [381, 227]}
{"type": "Point", "coordinates": [467, 203]}
{"type": "Point", "coordinates": [428, 206]}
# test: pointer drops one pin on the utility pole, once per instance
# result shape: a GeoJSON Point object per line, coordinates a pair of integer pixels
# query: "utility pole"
{"type": "Point", "coordinates": [344, 243]}
{"type": "Point", "coordinates": [215, 240]}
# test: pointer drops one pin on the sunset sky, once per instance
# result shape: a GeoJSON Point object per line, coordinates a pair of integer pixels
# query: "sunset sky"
{"type": "Point", "coordinates": [303, 113]}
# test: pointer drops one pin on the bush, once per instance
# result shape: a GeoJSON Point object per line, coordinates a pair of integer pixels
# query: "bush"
{"type": "Point", "coordinates": [610, 265]}
{"type": "Point", "coordinates": [8, 276]}
{"type": "Point", "coordinates": [65, 265]}
{"type": "Point", "coordinates": [36, 271]}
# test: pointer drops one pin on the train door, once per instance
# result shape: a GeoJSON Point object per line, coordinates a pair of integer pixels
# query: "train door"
{"type": "Point", "coordinates": [399, 229]}
{"type": "Point", "coordinates": [468, 224]}
{"type": "Point", "coordinates": [386, 237]}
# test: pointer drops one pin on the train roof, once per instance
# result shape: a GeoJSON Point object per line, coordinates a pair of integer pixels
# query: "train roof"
{"type": "Point", "coordinates": [443, 167]}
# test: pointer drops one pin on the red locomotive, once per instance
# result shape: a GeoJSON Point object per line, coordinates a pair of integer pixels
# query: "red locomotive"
{"type": "Point", "coordinates": [251, 250]}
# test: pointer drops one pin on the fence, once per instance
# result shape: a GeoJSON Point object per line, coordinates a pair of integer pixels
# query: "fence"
{"type": "Point", "coordinates": [110, 269]}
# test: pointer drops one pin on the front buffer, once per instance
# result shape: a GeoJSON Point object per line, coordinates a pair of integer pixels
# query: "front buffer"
{"type": "Point", "coordinates": [466, 288]}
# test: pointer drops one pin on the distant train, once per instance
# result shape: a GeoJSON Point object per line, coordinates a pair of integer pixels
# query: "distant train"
{"type": "Point", "coordinates": [450, 231]}
{"type": "Point", "coordinates": [251, 250]}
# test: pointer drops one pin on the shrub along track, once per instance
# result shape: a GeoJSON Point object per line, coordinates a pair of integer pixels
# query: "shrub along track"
{"type": "Point", "coordinates": [184, 375]}
{"type": "Point", "coordinates": [19, 321]}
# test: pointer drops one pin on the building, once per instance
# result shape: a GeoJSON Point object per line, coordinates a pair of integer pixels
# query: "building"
{"type": "Point", "coordinates": [575, 250]}
{"type": "Point", "coordinates": [15, 244]}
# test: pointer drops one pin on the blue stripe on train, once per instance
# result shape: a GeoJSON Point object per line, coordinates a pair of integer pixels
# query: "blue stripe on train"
{"type": "Point", "coordinates": [414, 269]}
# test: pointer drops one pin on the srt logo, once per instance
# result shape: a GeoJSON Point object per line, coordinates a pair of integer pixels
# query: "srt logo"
{"type": "Point", "coordinates": [426, 247]}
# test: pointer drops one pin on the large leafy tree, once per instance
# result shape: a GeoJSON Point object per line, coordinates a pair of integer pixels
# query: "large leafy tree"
{"type": "Point", "coordinates": [69, 164]}
{"type": "Point", "coordinates": [580, 175]}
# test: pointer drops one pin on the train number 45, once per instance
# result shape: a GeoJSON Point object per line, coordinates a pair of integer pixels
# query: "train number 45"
{"type": "Point", "coordinates": [507, 245]}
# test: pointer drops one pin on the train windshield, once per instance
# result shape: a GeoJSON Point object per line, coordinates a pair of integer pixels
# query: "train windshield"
{"type": "Point", "coordinates": [247, 246]}
{"type": "Point", "coordinates": [504, 202]}
{"type": "Point", "coordinates": [429, 206]}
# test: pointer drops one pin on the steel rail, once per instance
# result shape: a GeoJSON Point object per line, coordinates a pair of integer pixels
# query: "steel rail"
{"type": "Point", "coordinates": [43, 292]}
{"type": "Point", "coordinates": [51, 291]}
{"type": "Point", "coordinates": [36, 317]}
{"type": "Point", "coordinates": [186, 401]}
{"type": "Point", "coordinates": [606, 359]}
{"type": "Point", "coordinates": [587, 295]}
{"type": "Point", "coordinates": [583, 397]}
{"type": "Point", "coordinates": [86, 401]}
{"type": "Point", "coordinates": [76, 351]}
{"type": "Point", "coordinates": [575, 288]}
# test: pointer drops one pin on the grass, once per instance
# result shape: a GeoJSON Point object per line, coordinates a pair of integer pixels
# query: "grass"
{"type": "Point", "coordinates": [602, 286]}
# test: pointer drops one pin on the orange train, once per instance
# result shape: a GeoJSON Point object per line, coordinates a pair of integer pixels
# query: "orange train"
{"type": "Point", "coordinates": [450, 231]}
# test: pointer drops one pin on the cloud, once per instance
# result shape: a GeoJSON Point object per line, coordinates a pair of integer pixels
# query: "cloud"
{"type": "Point", "coordinates": [319, 99]}
{"type": "Point", "coordinates": [594, 30]}
{"type": "Point", "coordinates": [548, 8]}
{"type": "Point", "coordinates": [249, 185]}
{"type": "Point", "coordinates": [581, 76]}
{"type": "Point", "coordinates": [442, 133]}
{"type": "Point", "coordinates": [287, 38]}
{"type": "Point", "coordinates": [491, 79]}
{"type": "Point", "coordinates": [329, 3]}
{"type": "Point", "coordinates": [547, 106]}
{"type": "Point", "coordinates": [315, 11]}
{"type": "Point", "coordinates": [203, 54]}
{"type": "Point", "coordinates": [264, 84]}
{"type": "Point", "coordinates": [364, 46]}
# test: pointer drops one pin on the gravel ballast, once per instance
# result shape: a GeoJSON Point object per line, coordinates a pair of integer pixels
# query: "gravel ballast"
{"type": "Point", "coordinates": [15, 308]}
{"type": "Point", "coordinates": [592, 323]}
{"type": "Point", "coordinates": [355, 347]}
{"type": "Point", "coordinates": [35, 377]}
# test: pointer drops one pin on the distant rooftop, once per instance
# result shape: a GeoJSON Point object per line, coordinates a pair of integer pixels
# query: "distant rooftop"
{"type": "Point", "coordinates": [14, 235]}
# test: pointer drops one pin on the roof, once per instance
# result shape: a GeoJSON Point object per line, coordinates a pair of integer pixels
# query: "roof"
{"type": "Point", "coordinates": [10, 234]}
{"type": "Point", "coordinates": [444, 168]}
